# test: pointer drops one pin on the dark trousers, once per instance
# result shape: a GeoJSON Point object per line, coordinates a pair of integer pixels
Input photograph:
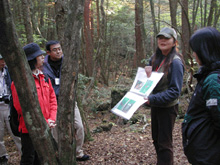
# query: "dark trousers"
{"type": "Point", "coordinates": [162, 123]}
{"type": "Point", "coordinates": [29, 155]}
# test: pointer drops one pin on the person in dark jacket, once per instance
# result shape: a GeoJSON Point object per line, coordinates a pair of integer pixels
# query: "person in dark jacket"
{"type": "Point", "coordinates": [164, 98]}
{"type": "Point", "coordinates": [201, 125]}
{"type": "Point", "coordinates": [5, 101]}
{"type": "Point", "coordinates": [52, 67]}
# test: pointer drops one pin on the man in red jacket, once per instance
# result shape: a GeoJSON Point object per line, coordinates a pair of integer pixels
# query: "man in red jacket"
{"type": "Point", "coordinates": [46, 97]}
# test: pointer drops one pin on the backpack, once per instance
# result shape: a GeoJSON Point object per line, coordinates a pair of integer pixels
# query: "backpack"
{"type": "Point", "coordinates": [14, 120]}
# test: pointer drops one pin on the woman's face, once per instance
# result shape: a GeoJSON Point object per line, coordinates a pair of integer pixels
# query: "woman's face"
{"type": "Point", "coordinates": [40, 61]}
{"type": "Point", "coordinates": [165, 44]}
{"type": "Point", "coordinates": [197, 58]}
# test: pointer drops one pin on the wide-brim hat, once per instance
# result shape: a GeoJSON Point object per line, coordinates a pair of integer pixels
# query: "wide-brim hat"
{"type": "Point", "coordinates": [168, 33]}
{"type": "Point", "coordinates": [32, 51]}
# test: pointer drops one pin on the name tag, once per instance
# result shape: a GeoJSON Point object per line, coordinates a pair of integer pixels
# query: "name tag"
{"type": "Point", "coordinates": [57, 81]}
{"type": "Point", "coordinates": [211, 102]}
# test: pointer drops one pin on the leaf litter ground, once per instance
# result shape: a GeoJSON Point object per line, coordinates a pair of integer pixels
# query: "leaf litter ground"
{"type": "Point", "coordinates": [124, 144]}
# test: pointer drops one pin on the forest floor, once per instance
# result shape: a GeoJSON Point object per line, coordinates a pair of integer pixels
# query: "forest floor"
{"type": "Point", "coordinates": [124, 144]}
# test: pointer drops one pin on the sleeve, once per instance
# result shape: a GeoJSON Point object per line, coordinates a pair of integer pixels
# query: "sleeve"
{"type": "Point", "coordinates": [53, 103]}
{"type": "Point", "coordinates": [211, 91]}
{"type": "Point", "coordinates": [16, 99]}
{"type": "Point", "coordinates": [174, 88]}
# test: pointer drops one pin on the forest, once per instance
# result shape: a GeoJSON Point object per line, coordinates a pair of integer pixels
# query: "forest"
{"type": "Point", "coordinates": [104, 42]}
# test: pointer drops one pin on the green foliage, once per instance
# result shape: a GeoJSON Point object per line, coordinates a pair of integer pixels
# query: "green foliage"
{"type": "Point", "coordinates": [82, 82]}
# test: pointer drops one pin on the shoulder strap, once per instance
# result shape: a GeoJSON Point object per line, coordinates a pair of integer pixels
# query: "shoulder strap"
{"type": "Point", "coordinates": [46, 78]}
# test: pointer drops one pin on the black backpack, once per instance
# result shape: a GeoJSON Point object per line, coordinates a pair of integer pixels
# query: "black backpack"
{"type": "Point", "coordinates": [14, 120]}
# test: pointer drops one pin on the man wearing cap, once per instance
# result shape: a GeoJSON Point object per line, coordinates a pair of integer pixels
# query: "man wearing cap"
{"type": "Point", "coordinates": [164, 98]}
{"type": "Point", "coordinates": [5, 98]}
{"type": "Point", "coordinates": [52, 67]}
{"type": "Point", "coordinates": [46, 98]}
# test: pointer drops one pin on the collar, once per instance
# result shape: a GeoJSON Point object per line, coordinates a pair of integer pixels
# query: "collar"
{"type": "Point", "coordinates": [36, 72]}
{"type": "Point", "coordinates": [205, 70]}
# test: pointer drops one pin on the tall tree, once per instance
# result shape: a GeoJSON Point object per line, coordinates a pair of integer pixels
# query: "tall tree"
{"type": "Point", "coordinates": [211, 12]}
{"type": "Point", "coordinates": [27, 21]}
{"type": "Point", "coordinates": [173, 10]}
{"type": "Point", "coordinates": [186, 30]}
{"type": "Point", "coordinates": [88, 38]}
{"type": "Point", "coordinates": [98, 18]}
{"type": "Point", "coordinates": [139, 34]}
{"type": "Point", "coordinates": [61, 13]}
{"type": "Point", "coordinates": [154, 23]}
{"type": "Point", "coordinates": [71, 48]}
{"type": "Point", "coordinates": [195, 11]}
{"type": "Point", "coordinates": [26, 89]}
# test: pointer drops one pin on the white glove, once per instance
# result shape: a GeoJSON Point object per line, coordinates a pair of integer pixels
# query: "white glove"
{"type": "Point", "coordinates": [51, 123]}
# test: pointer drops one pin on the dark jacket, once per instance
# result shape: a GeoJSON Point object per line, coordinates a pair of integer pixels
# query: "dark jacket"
{"type": "Point", "coordinates": [167, 91]}
{"type": "Point", "coordinates": [201, 125]}
{"type": "Point", "coordinates": [50, 73]}
{"type": "Point", "coordinates": [8, 78]}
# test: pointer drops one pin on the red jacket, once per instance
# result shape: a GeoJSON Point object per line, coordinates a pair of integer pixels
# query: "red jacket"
{"type": "Point", "coordinates": [46, 97]}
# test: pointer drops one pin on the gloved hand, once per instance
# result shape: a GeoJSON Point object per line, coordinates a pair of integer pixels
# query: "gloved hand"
{"type": "Point", "coordinates": [51, 123]}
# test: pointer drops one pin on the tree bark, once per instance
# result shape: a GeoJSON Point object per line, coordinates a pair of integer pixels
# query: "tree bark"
{"type": "Point", "coordinates": [211, 12]}
{"type": "Point", "coordinates": [61, 13]}
{"type": "Point", "coordinates": [173, 9]}
{"type": "Point", "coordinates": [154, 23]}
{"type": "Point", "coordinates": [195, 11]}
{"type": "Point", "coordinates": [21, 74]}
{"type": "Point", "coordinates": [71, 49]}
{"type": "Point", "coordinates": [27, 21]}
{"type": "Point", "coordinates": [185, 30]}
{"type": "Point", "coordinates": [98, 19]}
{"type": "Point", "coordinates": [139, 34]}
{"type": "Point", "coordinates": [88, 38]}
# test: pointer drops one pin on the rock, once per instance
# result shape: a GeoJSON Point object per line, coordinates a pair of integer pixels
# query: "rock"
{"type": "Point", "coordinates": [106, 127]}
{"type": "Point", "coordinates": [103, 127]}
{"type": "Point", "coordinates": [117, 93]}
{"type": "Point", "coordinates": [104, 105]}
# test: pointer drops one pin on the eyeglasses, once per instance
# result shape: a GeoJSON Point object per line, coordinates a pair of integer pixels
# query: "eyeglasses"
{"type": "Point", "coordinates": [56, 49]}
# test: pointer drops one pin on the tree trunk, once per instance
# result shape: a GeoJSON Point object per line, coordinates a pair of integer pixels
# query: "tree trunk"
{"type": "Point", "coordinates": [217, 15]}
{"type": "Point", "coordinates": [185, 31]}
{"type": "Point", "coordinates": [195, 11]}
{"type": "Point", "coordinates": [211, 12]}
{"type": "Point", "coordinates": [154, 23]}
{"type": "Point", "coordinates": [61, 12]}
{"type": "Point", "coordinates": [25, 85]}
{"type": "Point", "coordinates": [98, 19]}
{"type": "Point", "coordinates": [173, 9]}
{"type": "Point", "coordinates": [139, 34]}
{"type": "Point", "coordinates": [205, 11]}
{"type": "Point", "coordinates": [71, 49]}
{"type": "Point", "coordinates": [27, 21]}
{"type": "Point", "coordinates": [42, 11]}
{"type": "Point", "coordinates": [88, 38]}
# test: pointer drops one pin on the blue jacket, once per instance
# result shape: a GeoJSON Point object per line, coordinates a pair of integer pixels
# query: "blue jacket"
{"type": "Point", "coordinates": [49, 72]}
{"type": "Point", "coordinates": [201, 125]}
{"type": "Point", "coordinates": [164, 98]}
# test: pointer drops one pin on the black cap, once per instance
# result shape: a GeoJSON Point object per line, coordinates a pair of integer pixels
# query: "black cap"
{"type": "Point", "coordinates": [32, 51]}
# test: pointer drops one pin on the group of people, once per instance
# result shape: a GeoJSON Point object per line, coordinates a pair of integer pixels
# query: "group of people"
{"type": "Point", "coordinates": [46, 72]}
{"type": "Point", "coordinates": [201, 125]}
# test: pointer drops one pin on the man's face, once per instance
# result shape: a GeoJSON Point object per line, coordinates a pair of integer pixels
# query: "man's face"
{"type": "Point", "coordinates": [2, 64]}
{"type": "Point", "coordinates": [55, 52]}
